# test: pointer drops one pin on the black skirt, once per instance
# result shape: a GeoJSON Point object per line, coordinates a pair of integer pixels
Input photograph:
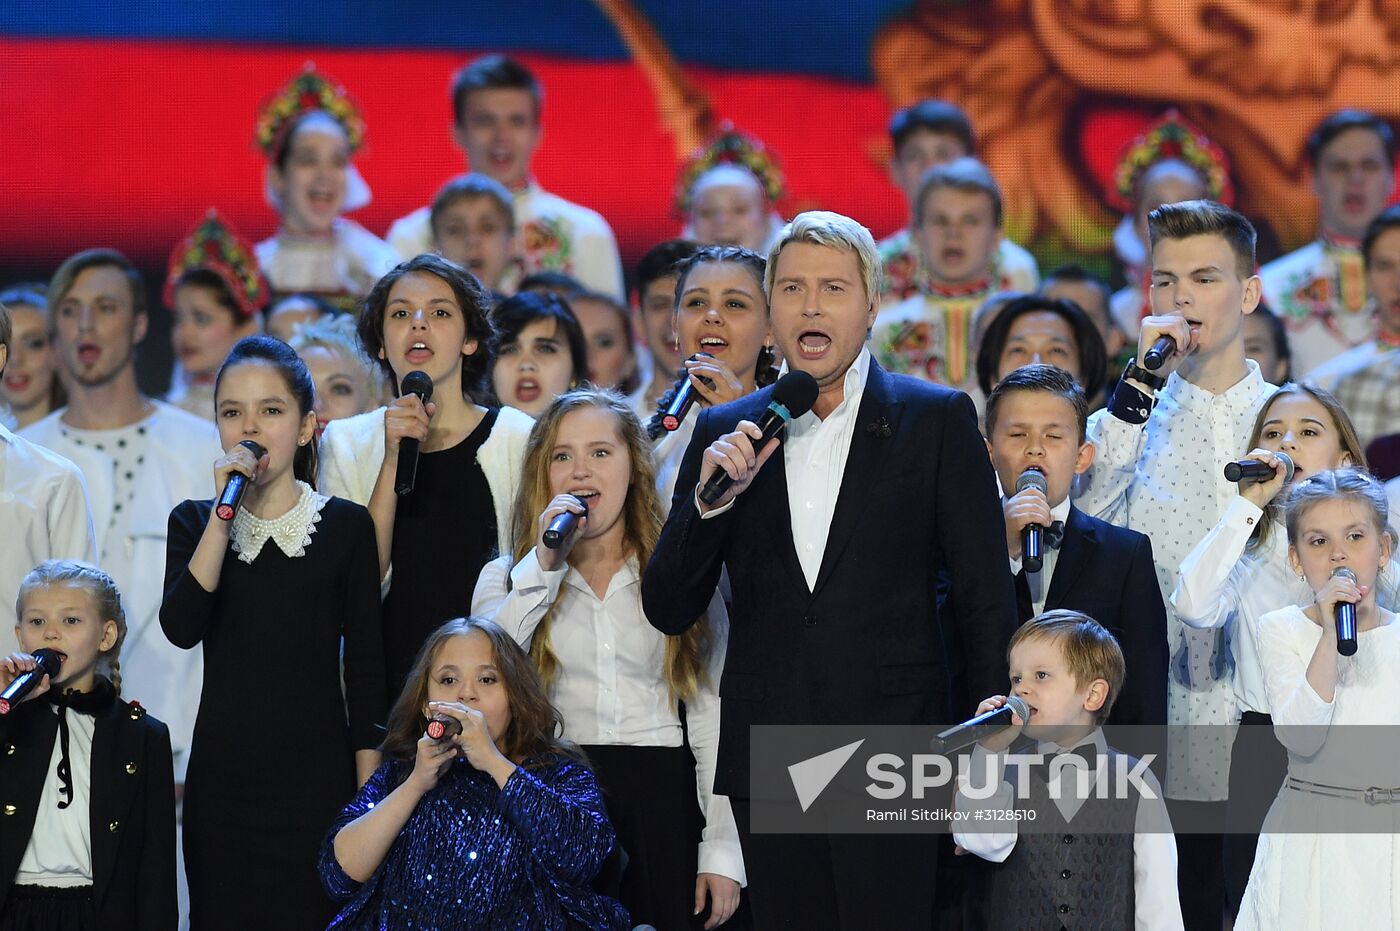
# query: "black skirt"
{"type": "Point", "coordinates": [650, 795]}
{"type": "Point", "coordinates": [49, 908]}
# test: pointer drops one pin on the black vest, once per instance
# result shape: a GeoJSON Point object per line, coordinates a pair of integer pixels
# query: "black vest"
{"type": "Point", "coordinates": [1076, 873]}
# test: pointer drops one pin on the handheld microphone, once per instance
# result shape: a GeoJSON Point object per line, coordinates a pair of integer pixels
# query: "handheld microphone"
{"type": "Point", "coordinates": [1346, 616]}
{"type": "Point", "coordinates": [227, 505]}
{"type": "Point", "coordinates": [442, 727]}
{"type": "Point", "coordinates": [47, 663]}
{"type": "Point", "coordinates": [563, 526]}
{"type": "Point", "coordinates": [1161, 351]}
{"type": "Point", "coordinates": [793, 396]}
{"type": "Point", "coordinates": [984, 725]}
{"type": "Point", "coordinates": [686, 396]}
{"type": "Point", "coordinates": [1246, 471]}
{"type": "Point", "coordinates": [407, 472]}
{"type": "Point", "coordinates": [1032, 556]}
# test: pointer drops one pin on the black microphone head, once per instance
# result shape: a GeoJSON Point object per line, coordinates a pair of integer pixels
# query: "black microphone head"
{"type": "Point", "coordinates": [796, 391]}
{"type": "Point", "coordinates": [253, 447]}
{"type": "Point", "coordinates": [49, 662]}
{"type": "Point", "coordinates": [1032, 478]}
{"type": "Point", "coordinates": [1161, 350]}
{"type": "Point", "coordinates": [418, 383]}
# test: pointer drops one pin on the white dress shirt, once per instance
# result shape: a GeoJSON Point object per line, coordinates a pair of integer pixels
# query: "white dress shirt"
{"type": "Point", "coordinates": [1219, 585]}
{"type": "Point", "coordinates": [1039, 582]}
{"type": "Point", "coordinates": [44, 514]}
{"type": "Point", "coordinates": [59, 852]}
{"type": "Point", "coordinates": [1164, 479]}
{"type": "Point", "coordinates": [814, 455]}
{"type": "Point", "coordinates": [1155, 901]}
{"type": "Point", "coordinates": [611, 686]}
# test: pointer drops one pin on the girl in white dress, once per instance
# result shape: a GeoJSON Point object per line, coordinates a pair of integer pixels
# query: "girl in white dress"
{"type": "Point", "coordinates": [1327, 857]}
{"type": "Point", "coordinates": [1239, 572]}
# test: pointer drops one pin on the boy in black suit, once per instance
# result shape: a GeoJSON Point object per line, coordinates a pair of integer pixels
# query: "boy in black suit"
{"type": "Point", "coordinates": [1036, 420]}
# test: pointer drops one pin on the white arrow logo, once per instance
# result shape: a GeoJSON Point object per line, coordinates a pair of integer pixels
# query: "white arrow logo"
{"type": "Point", "coordinates": [810, 777]}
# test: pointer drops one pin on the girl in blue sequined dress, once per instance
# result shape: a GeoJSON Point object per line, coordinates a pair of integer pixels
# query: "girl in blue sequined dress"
{"type": "Point", "coordinates": [500, 826]}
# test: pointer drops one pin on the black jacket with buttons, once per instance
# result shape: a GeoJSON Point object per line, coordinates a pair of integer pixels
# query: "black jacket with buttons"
{"type": "Point", "coordinates": [132, 805]}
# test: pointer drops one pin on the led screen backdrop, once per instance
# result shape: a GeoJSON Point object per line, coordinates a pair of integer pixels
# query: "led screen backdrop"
{"type": "Point", "coordinates": [125, 121]}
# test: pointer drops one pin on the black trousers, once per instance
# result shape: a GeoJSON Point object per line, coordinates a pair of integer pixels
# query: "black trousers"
{"type": "Point", "coordinates": [1258, 765]}
{"type": "Point", "coordinates": [1200, 879]}
{"type": "Point", "coordinates": [838, 881]}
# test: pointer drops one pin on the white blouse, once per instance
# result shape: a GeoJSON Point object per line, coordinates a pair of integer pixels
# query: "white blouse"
{"type": "Point", "coordinates": [59, 852]}
{"type": "Point", "coordinates": [611, 687]}
{"type": "Point", "coordinates": [1219, 586]}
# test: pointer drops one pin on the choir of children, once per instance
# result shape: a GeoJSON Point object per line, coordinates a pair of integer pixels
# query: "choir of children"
{"type": "Point", "coordinates": [550, 760]}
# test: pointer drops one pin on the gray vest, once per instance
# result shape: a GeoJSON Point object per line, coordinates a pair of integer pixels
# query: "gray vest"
{"type": "Point", "coordinates": [1076, 874]}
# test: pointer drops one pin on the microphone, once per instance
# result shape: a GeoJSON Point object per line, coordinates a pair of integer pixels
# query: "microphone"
{"type": "Point", "coordinates": [563, 526]}
{"type": "Point", "coordinates": [407, 472]}
{"type": "Point", "coordinates": [1346, 616]}
{"type": "Point", "coordinates": [227, 505]}
{"type": "Point", "coordinates": [47, 664]}
{"type": "Point", "coordinates": [684, 400]}
{"type": "Point", "coordinates": [443, 726]}
{"type": "Point", "coordinates": [1161, 351]}
{"type": "Point", "coordinates": [1032, 557]}
{"type": "Point", "coordinates": [984, 725]}
{"type": "Point", "coordinates": [1246, 471]}
{"type": "Point", "coordinates": [793, 396]}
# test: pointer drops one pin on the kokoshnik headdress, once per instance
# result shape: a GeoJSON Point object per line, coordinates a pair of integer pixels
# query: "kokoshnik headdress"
{"type": "Point", "coordinates": [1172, 138]}
{"type": "Point", "coordinates": [730, 147]}
{"type": "Point", "coordinates": [214, 246]}
{"type": "Point", "coordinates": [307, 93]}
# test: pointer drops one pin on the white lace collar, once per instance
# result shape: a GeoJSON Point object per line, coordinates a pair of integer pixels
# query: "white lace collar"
{"type": "Point", "coordinates": [291, 532]}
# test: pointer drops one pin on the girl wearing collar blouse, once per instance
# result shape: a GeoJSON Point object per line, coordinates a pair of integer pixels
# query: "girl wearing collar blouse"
{"type": "Point", "coordinates": [271, 596]}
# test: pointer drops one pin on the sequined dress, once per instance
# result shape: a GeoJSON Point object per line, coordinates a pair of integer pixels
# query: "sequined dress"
{"type": "Point", "coordinates": [474, 855]}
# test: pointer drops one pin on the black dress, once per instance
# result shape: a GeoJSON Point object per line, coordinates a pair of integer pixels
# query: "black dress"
{"type": "Point", "coordinates": [444, 532]}
{"type": "Point", "coordinates": [272, 760]}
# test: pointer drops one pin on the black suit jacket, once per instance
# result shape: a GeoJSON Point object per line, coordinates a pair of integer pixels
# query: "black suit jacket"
{"type": "Point", "coordinates": [132, 806]}
{"type": "Point", "coordinates": [1108, 573]}
{"type": "Point", "coordinates": [865, 645]}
